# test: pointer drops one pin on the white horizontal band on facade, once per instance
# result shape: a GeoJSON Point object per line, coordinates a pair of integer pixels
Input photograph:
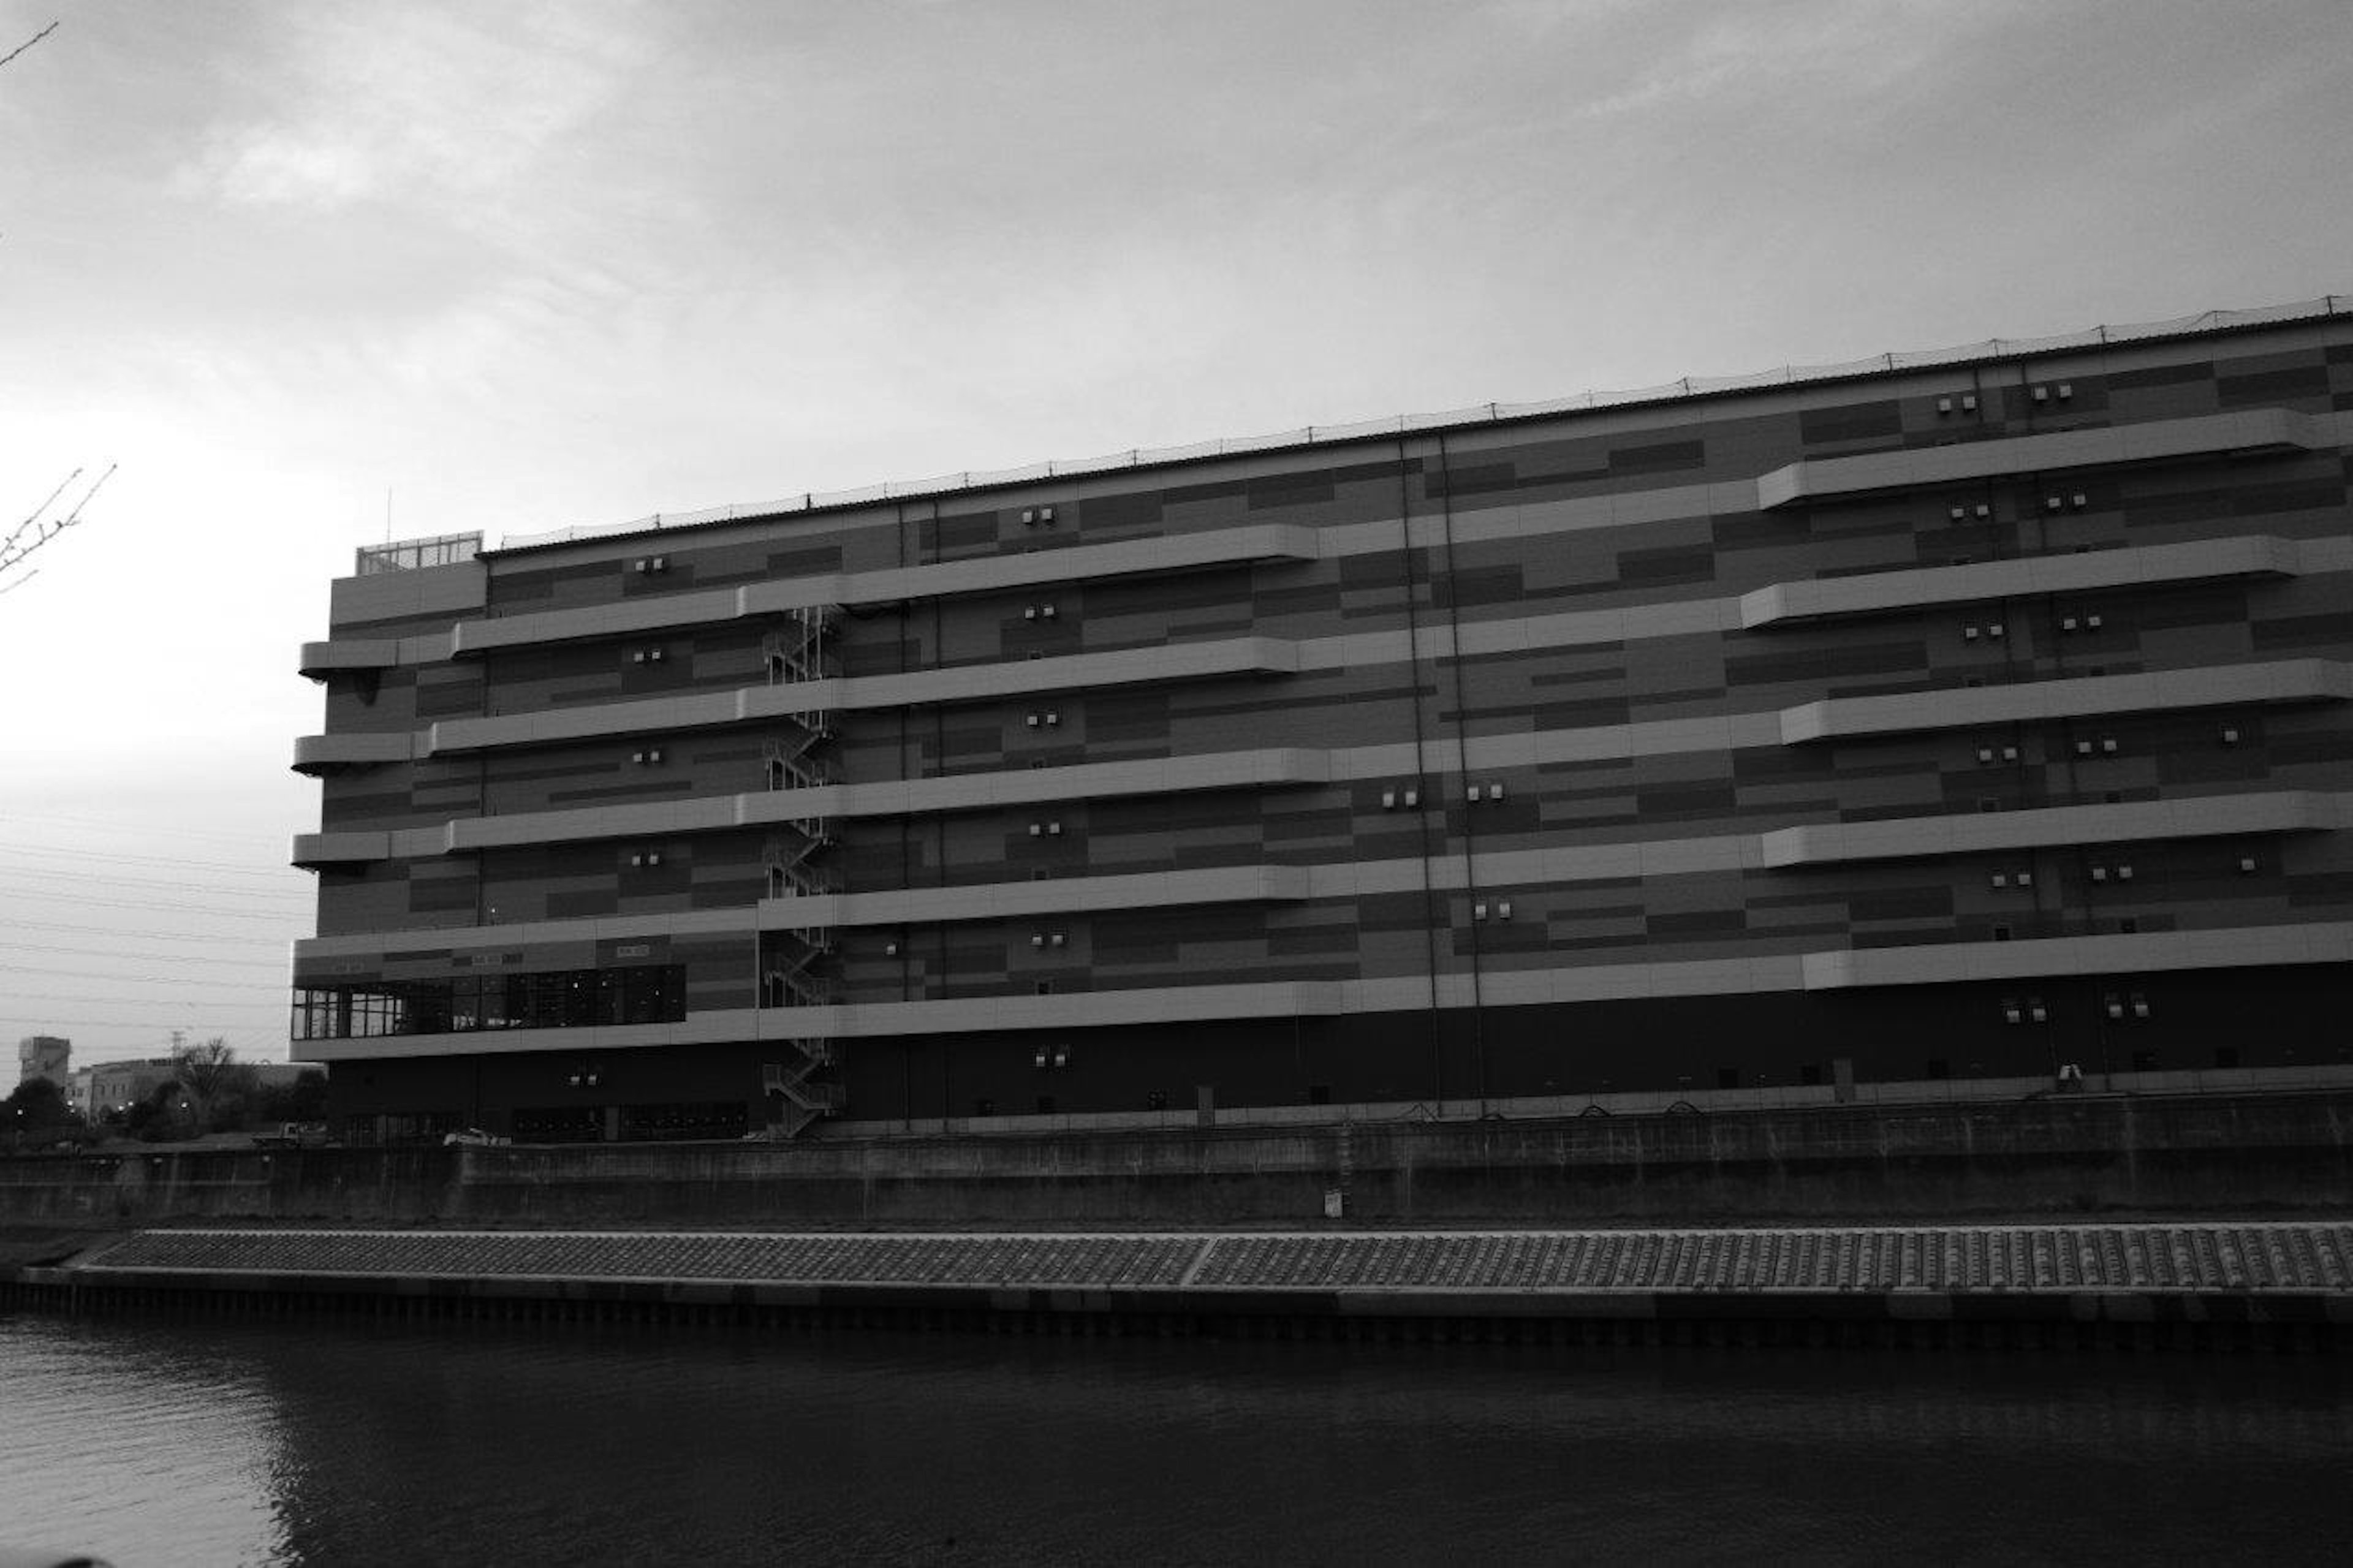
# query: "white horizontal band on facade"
{"type": "Point", "coordinates": [1239, 545]}
{"type": "Point", "coordinates": [2076, 697]}
{"type": "Point", "coordinates": [1160, 556]}
{"type": "Point", "coordinates": [1873, 593]}
{"type": "Point", "coordinates": [1959, 963]}
{"type": "Point", "coordinates": [1882, 592]}
{"type": "Point", "coordinates": [1497, 872]}
{"type": "Point", "coordinates": [1228, 656]}
{"type": "Point", "coordinates": [1294, 766]}
{"type": "Point", "coordinates": [2187, 816]}
{"type": "Point", "coordinates": [2248, 430]}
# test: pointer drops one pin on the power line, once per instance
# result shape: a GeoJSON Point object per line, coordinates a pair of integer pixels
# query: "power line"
{"type": "Point", "coordinates": [116, 879]}
{"type": "Point", "coordinates": [249, 1009]}
{"type": "Point", "coordinates": [115, 824]}
{"type": "Point", "coordinates": [81, 854]}
{"type": "Point", "coordinates": [149, 935]}
{"type": "Point", "coordinates": [9, 944]}
{"type": "Point", "coordinates": [174, 984]}
{"type": "Point", "coordinates": [153, 905]}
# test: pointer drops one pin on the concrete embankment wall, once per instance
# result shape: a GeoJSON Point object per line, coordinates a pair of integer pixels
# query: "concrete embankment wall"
{"type": "Point", "coordinates": [2174, 1155]}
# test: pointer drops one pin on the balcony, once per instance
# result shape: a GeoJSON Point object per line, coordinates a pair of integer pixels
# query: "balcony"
{"type": "Point", "coordinates": [2252, 433]}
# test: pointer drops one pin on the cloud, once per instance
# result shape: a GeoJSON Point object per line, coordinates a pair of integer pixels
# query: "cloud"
{"type": "Point", "coordinates": [1839, 46]}
{"type": "Point", "coordinates": [376, 102]}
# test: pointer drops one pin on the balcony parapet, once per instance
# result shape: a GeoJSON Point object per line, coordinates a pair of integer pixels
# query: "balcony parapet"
{"type": "Point", "coordinates": [1972, 833]}
{"type": "Point", "coordinates": [2247, 433]}
{"type": "Point", "coordinates": [319, 754]}
{"type": "Point", "coordinates": [655, 613]}
{"type": "Point", "coordinates": [313, 851]}
{"type": "Point", "coordinates": [2245, 685]}
{"type": "Point", "coordinates": [321, 660]}
{"type": "Point", "coordinates": [1059, 896]}
{"type": "Point", "coordinates": [961, 683]}
{"type": "Point", "coordinates": [1882, 592]}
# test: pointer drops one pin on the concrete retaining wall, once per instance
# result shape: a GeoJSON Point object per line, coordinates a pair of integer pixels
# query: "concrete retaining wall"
{"type": "Point", "coordinates": [2155, 1154]}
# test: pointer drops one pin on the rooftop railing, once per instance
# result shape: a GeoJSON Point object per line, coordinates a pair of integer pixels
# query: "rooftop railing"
{"type": "Point", "coordinates": [409, 555]}
{"type": "Point", "coordinates": [1488, 413]}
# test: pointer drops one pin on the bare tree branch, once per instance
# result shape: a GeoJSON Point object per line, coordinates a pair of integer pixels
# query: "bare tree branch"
{"type": "Point", "coordinates": [16, 546]}
{"type": "Point", "coordinates": [28, 44]}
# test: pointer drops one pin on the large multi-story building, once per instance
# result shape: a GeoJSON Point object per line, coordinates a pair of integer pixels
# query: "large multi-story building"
{"type": "Point", "coordinates": [1978, 716]}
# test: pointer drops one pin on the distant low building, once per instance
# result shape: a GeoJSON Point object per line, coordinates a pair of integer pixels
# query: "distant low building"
{"type": "Point", "coordinates": [43, 1056]}
{"type": "Point", "coordinates": [95, 1091]}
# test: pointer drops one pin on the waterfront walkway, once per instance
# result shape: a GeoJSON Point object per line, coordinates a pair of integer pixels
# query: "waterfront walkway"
{"type": "Point", "coordinates": [2297, 1257]}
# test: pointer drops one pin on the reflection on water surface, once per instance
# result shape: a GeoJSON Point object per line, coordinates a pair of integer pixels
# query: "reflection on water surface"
{"type": "Point", "coordinates": [336, 1442]}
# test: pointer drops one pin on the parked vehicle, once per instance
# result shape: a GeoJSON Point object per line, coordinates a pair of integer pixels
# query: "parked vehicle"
{"type": "Point", "coordinates": [474, 1138]}
{"type": "Point", "coordinates": [295, 1135]}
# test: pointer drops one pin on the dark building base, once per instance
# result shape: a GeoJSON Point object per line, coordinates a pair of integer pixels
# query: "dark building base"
{"type": "Point", "coordinates": [2201, 1020]}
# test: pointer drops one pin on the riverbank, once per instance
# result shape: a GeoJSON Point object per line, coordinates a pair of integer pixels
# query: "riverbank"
{"type": "Point", "coordinates": [2280, 1284]}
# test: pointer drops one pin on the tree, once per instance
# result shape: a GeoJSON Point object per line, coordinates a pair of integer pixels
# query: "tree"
{"type": "Point", "coordinates": [33, 1106]}
{"type": "Point", "coordinates": [217, 1084]}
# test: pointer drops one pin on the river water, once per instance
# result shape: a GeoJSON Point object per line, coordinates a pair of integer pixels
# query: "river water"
{"type": "Point", "coordinates": [194, 1442]}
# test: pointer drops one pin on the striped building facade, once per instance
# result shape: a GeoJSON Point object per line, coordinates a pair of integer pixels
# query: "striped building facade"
{"type": "Point", "coordinates": [1983, 719]}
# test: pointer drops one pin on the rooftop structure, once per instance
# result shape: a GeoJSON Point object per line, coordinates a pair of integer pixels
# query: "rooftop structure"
{"type": "Point", "coordinates": [43, 1056]}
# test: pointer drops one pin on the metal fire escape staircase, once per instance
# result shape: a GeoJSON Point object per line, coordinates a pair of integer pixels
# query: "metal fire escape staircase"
{"type": "Point", "coordinates": [795, 963]}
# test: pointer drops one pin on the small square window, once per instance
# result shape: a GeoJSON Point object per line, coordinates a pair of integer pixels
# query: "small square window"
{"type": "Point", "coordinates": [2246, 865]}
{"type": "Point", "coordinates": [1984, 754]}
{"type": "Point", "coordinates": [2026, 879]}
{"type": "Point", "coordinates": [2002, 933]}
{"type": "Point", "coordinates": [1045, 988]}
{"type": "Point", "coordinates": [2009, 753]}
{"type": "Point", "coordinates": [2002, 880]}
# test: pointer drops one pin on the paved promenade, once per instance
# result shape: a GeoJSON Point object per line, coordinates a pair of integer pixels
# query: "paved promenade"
{"type": "Point", "coordinates": [2301, 1257]}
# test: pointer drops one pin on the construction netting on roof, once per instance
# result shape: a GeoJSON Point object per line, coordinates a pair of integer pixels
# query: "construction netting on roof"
{"type": "Point", "coordinates": [1488, 413]}
{"type": "Point", "coordinates": [409, 555]}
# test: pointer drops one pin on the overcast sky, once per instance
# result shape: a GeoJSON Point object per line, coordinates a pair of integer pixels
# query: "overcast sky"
{"type": "Point", "coordinates": [522, 267]}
